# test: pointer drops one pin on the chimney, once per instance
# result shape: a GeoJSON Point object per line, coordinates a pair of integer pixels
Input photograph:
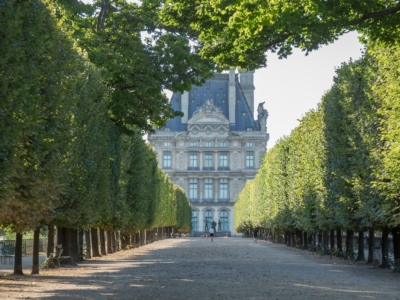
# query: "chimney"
{"type": "Point", "coordinates": [247, 84]}
{"type": "Point", "coordinates": [232, 96]}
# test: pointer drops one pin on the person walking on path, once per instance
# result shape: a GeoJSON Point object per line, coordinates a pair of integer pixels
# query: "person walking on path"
{"type": "Point", "coordinates": [255, 234]}
{"type": "Point", "coordinates": [211, 233]}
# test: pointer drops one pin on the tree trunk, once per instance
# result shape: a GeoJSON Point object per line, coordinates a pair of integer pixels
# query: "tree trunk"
{"type": "Point", "coordinates": [35, 254]}
{"type": "Point", "coordinates": [109, 242]}
{"type": "Point", "coordinates": [305, 239]}
{"type": "Point", "coordinates": [396, 245]}
{"type": "Point", "coordinates": [117, 241]}
{"type": "Point", "coordinates": [18, 255]}
{"type": "Point", "coordinates": [113, 242]}
{"type": "Point", "coordinates": [371, 239]}
{"type": "Point", "coordinates": [339, 240]}
{"type": "Point", "coordinates": [325, 240]}
{"type": "Point", "coordinates": [74, 246]}
{"type": "Point", "coordinates": [60, 235]}
{"type": "Point", "coordinates": [123, 241]}
{"type": "Point", "coordinates": [50, 240]}
{"type": "Point", "coordinates": [299, 236]}
{"type": "Point", "coordinates": [385, 248]}
{"type": "Point", "coordinates": [349, 243]}
{"type": "Point", "coordinates": [102, 242]}
{"type": "Point", "coordinates": [360, 256]}
{"type": "Point", "coordinates": [88, 244]}
{"type": "Point", "coordinates": [95, 243]}
{"type": "Point", "coordinates": [64, 239]}
{"type": "Point", "coordinates": [80, 244]}
{"type": "Point", "coordinates": [332, 239]}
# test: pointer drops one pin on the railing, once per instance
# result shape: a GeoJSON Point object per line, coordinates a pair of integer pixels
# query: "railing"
{"type": "Point", "coordinates": [27, 246]}
{"type": "Point", "coordinates": [223, 168]}
{"type": "Point", "coordinates": [223, 200]}
{"type": "Point", "coordinates": [208, 200]}
{"type": "Point", "coordinates": [193, 200]}
{"type": "Point", "coordinates": [208, 169]}
{"type": "Point", "coordinates": [193, 168]}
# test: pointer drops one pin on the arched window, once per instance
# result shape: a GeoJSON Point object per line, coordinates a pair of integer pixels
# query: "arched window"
{"type": "Point", "coordinates": [208, 215]}
{"type": "Point", "coordinates": [224, 220]}
{"type": "Point", "coordinates": [194, 220]}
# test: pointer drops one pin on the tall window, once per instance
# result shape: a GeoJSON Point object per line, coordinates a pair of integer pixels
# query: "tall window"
{"type": "Point", "coordinates": [193, 159]}
{"type": "Point", "coordinates": [223, 188]}
{"type": "Point", "coordinates": [224, 144]}
{"type": "Point", "coordinates": [208, 188]}
{"type": "Point", "coordinates": [167, 144]}
{"type": "Point", "coordinates": [249, 144]}
{"type": "Point", "coordinates": [167, 159]}
{"type": "Point", "coordinates": [208, 159]}
{"type": "Point", "coordinates": [223, 159]}
{"type": "Point", "coordinates": [193, 144]}
{"type": "Point", "coordinates": [249, 159]}
{"type": "Point", "coordinates": [192, 188]}
{"type": "Point", "coordinates": [194, 220]}
{"type": "Point", "coordinates": [208, 216]}
{"type": "Point", "coordinates": [208, 144]}
{"type": "Point", "coordinates": [224, 220]}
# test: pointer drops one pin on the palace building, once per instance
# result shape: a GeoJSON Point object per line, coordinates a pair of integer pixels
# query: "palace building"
{"type": "Point", "coordinates": [215, 147]}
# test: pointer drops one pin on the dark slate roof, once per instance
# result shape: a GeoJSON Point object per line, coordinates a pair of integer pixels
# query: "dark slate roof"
{"type": "Point", "coordinates": [216, 89]}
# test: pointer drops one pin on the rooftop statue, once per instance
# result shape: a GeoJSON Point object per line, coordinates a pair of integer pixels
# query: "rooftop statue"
{"type": "Point", "coordinates": [208, 108]}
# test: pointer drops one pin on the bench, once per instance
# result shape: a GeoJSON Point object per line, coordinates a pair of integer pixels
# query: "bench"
{"type": "Point", "coordinates": [394, 264]}
{"type": "Point", "coordinates": [55, 257]}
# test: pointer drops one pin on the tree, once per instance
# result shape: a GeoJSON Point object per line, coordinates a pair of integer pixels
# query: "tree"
{"type": "Point", "coordinates": [138, 56]}
{"type": "Point", "coordinates": [238, 33]}
{"type": "Point", "coordinates": [35, 67]}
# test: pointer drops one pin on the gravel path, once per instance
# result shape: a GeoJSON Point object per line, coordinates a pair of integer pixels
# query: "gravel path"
{"type": "Point", "coordinates": [195, 268]}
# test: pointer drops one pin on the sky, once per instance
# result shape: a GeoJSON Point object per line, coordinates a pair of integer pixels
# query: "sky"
{"type": "Point", "coordinates": [291, 87]}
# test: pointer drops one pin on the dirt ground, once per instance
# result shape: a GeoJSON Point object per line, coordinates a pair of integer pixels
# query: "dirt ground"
{"type": "Point", "coordinates": [196, 268]}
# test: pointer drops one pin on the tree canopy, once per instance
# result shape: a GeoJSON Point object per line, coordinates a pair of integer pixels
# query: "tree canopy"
{"type": "Point", "coordinates": [238, 33]}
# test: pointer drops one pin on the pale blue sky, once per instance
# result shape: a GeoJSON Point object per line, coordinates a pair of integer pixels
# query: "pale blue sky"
{"type": "Point", "coordinates": [291, 87]}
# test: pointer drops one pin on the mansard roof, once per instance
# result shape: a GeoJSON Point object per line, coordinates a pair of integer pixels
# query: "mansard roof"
{"type": "Point", "coordinates": [215, 89]}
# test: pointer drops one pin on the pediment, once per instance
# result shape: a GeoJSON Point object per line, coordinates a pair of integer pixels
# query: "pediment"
{"type": "Point", "coordinates": [208, 114]}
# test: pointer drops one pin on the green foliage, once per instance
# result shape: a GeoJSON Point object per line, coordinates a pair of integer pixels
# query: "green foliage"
{"type": "Point", "coordinates": [339, 169]}
{"type": "Point", "coordinates": [62, 158]}
{"type": "Point", "coordinates": [238, 33]}
{"type": "Point", "coordinates": [385, 90]}
{"type": "Point", "coordinates": [137, 55]}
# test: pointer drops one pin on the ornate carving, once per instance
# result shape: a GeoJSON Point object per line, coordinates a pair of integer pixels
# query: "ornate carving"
{"type": "Point", "coordinates": [235, 161]}
{"type": "Point", "coordinates": [208, 108]}
{"type": "Point", "coordinates": [236, 189]}
{"type": "Point", "coordinates": [181, 159]}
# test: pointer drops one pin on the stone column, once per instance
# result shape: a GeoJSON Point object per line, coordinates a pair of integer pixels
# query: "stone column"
{"type": "Point", "coordinates": [201, 160]}
{"type": "Point", "coordinates": [200, 188]}
{"type": "Point", "coordinates": [216, 190]}
{"type": "Point", "coordinates": [200, 222]}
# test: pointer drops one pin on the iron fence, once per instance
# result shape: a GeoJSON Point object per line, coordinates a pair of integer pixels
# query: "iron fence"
{"type": "Point", "coordinates": [8, 246]}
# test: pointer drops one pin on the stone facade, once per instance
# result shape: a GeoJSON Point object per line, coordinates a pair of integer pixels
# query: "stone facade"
{"type": "Point", "coordinates": [215, 147]}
